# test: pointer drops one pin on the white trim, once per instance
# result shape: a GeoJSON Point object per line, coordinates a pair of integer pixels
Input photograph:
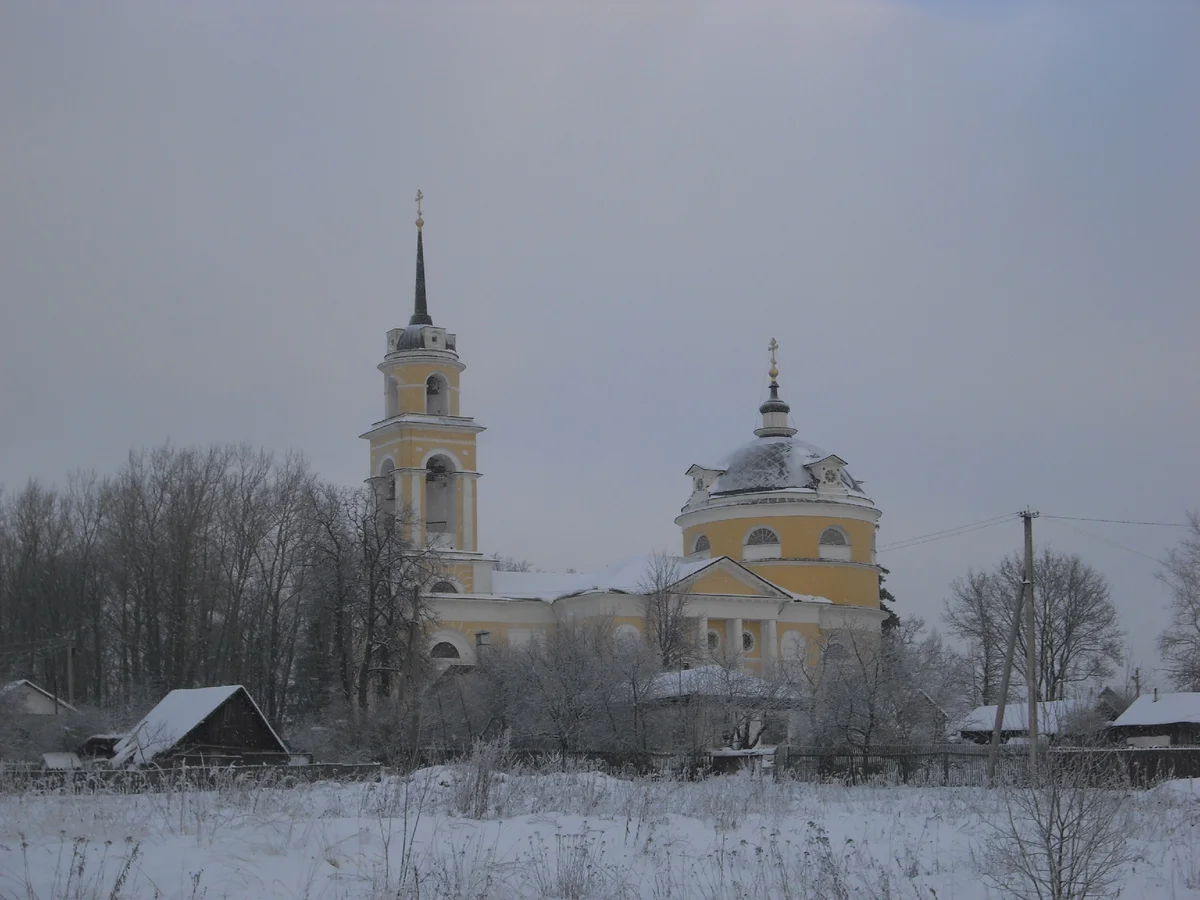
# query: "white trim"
{"type": "Point", "coordinates": [448, 358]}
{"type": "Point", "coordinates": [778, 504]}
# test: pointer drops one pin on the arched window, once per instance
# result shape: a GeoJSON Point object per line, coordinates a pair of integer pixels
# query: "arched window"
{"type": "Point", "coordinates": [702, 544]}
{"type": "Point", "coordinates": [760, 536]}
{"type": "Point", "coordinates": [386, 471]}
{"type": "Point", "coordinates": [391, 397]}
{"type": "Point", "coordinates": [437, 396]}
{"type": "Point", "coordinates": [627, 633]}
{"type": "Point", "coordinates": [835, 544]}
{"type": "Point", "coordinates": [444, 650]}
{"type": "Point", "coordinates": [439, 497]}
{"type": "Point", "coordinates": [443, 587]}
{"type": "Point", "coordinates": [761, 543]}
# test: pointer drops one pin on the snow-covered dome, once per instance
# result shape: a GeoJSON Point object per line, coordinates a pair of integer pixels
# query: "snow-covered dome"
{"type": "Point", "coordinates": [773, 463]}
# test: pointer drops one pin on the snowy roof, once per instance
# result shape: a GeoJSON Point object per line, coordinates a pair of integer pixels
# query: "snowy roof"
{"type": "Point", "coordinates": [623, 578]}
{"type": "Point", "coordinates": [710, 681]}
{"type": "Point", "coordinates": [1052, 714]}
{"type": "Point", "coordinates": [170, 721]}
{"type": "Point", "coordinates": [1167, 710]}
{"type": "Point", "coordinates": [25, 682]}
{"type": "Point", "coordinates": [772, 464]}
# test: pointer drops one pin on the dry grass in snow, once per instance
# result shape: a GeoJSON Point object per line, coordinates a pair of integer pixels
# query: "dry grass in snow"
{"type": "Point", "coordinates": [454, 832]}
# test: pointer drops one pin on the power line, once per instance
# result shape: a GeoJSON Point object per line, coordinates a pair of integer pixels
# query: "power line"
{"type": "Point", "coordinates": [1119, 521]}
{"type": "Point", "coordinates": [1105, 540]}
{"type": "Point", "coordinates": [946, 533]}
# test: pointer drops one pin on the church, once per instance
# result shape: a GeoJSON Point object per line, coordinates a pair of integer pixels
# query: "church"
{"type": "Point", "coordinates": [777, 540]}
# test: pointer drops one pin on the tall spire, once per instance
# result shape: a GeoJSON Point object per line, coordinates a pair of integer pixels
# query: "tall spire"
{"type": "Point", "coordinates": [774, 411]}
{"type": "Point", "coordinates": [420, 314]}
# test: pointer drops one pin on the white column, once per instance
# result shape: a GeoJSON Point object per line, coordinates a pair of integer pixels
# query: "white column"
{"type": "Point", "coordinates": [416, 480]}
{"type": "Point", "coordinates": [468, 505]}
{"type": "Point", "coordinates": [702, 625]}
{"type": "Point", "coordinates": [770, 644]}
{"type": "Point", "coordinates": [733, 637]}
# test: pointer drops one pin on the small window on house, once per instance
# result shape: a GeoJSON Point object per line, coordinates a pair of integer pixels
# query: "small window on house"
{"type": "Point", "coordinates": [702, 544]}
{"type": "Point", "coordinates": [761, 536]}
{"type": "Point", "coordinates": [444, 587]}
{"type": "Point", "coordinates": [444, 650]}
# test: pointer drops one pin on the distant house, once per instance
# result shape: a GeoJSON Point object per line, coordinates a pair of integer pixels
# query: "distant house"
{"type": "Point", "coordinates": [26, 698]}
{"type": "Point", "coordinates": [201, 726]}
{"type": "Point", "coordinates": [1053, 718]}
{"type": "Point", "coordinates": [1160, 720]}
{"type": "Point", "coordinates": [727, 707]}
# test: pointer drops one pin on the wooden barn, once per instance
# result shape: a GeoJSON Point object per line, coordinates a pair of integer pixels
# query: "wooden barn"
{"type": "Point", "coordinates": [202, 726]}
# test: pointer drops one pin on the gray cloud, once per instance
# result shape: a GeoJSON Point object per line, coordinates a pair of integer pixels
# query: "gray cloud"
{"type": "Point", "coordinates": [973, 232]}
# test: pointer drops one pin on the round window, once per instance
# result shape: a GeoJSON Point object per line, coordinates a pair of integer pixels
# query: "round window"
{"type": "Point", "coordinates": [714, 640]}
{"type": "Point", "coordinates": [747, 641]}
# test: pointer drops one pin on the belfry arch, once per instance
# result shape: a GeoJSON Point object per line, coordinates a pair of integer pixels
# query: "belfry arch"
{"type": "Point", "coordinates": [441, 506]}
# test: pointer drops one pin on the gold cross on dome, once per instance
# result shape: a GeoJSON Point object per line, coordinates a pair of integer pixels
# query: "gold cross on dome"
{"type": "Point", "coordinates": [773, 346]}
{"type": "Point", "coordinates": [420, 197]}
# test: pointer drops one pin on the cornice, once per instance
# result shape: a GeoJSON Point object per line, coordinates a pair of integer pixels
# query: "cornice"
{"type": "Point", "coordinates": [464, 424]}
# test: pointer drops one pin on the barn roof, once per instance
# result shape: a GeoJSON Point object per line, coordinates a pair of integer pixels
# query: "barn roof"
{"type": "Point", "coordinates": [175, 716]}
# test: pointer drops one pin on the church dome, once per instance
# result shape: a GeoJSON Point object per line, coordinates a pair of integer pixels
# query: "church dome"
{"type": "Point", "coordinates": [773, 463]}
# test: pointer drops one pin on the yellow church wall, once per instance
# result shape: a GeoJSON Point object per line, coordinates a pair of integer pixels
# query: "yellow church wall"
{"type": "Point", "coordinates": [799, 536]}
{"type": "Point", "coordinates": [841, 584]}
{"type": "Point", "coordinates": [812, 640]}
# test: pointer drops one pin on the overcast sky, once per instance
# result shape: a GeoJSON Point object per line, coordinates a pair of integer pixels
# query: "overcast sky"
{"type": "Point", "coordinates": [974, 229]}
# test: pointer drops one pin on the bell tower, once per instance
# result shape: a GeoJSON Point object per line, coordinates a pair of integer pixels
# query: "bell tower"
{"type": "Point", "coordinates": [423, 453]}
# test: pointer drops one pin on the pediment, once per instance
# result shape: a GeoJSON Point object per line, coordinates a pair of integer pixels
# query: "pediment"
{"type": "Point", "coordinates": [726, 577]}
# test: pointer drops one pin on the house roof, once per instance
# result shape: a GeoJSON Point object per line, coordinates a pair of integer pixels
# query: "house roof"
{"type": "Point", "coordinates": [1168, 709]}
{"type": "Point", "coordinates": [173, 718]}
{"type": "Point", "coordinates": [1052, 715]}
{"type": "Point", "coordinates": [709, 681]}
{"type": "Point", "coordinates": [13, 685]}
{"type": "Point", "coordinates": [628, 577]}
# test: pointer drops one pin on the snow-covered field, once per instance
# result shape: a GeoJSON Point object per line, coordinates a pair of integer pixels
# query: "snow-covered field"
{"type": "Point", "coordinates": [580, 835]}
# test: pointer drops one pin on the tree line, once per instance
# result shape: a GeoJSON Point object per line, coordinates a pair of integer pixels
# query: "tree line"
{"type": "Point", "coordinates": [198, 566]}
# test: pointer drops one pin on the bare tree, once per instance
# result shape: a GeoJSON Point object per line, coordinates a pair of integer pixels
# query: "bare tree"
{"type": "Point", "coordinates": [972, 616]}
{"type": "Point", "coordinates": [1061, 833]}
{"type": "Point", "coordinates": [670, 629]}
{"type": "Point", "coordinates": [1079, 638]}
{"type": "Point", "coordinates": [1180, 642]}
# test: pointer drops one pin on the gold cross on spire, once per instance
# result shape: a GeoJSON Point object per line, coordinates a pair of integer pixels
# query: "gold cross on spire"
{"type": "Point", "coordinates": [773, 346]}
{"type": "Point", "coordinates": [420, 197]}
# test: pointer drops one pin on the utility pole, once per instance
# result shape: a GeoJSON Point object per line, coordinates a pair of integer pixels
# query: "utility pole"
{"type": "Point", "coordinates": [1008, 663]}
{"type": "Point", "coordinates": [70, 674]}
{"type": "Point", "coordinates": [1030, 644]}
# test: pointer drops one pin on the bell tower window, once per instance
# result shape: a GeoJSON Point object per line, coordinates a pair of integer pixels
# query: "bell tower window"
{"type": "Point", "coordinates": [439, 500]}
{"type": "Point", "coordinates": [437, 396]}
{"type": "Point", "coordinates": [391, 397]}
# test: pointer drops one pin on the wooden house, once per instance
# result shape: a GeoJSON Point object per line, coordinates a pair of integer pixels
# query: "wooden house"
{"type": "Point", "coordinates": [214, 725]}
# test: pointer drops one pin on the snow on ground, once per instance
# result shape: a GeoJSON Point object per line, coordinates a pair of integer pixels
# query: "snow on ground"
{"type": "Point", "coordinates": [578, 835]}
